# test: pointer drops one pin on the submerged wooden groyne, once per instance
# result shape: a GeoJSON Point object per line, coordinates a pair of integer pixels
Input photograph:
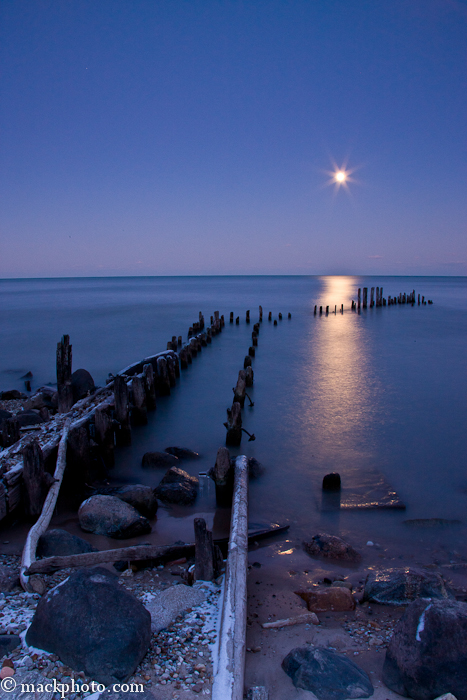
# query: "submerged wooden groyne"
{"type": "Point", "coordinates": [376, 300]}
{"type": "Point", "coordinates": [99, 422]}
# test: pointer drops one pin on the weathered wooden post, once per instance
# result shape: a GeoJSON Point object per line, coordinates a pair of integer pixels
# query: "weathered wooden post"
{"type": "Point", "coordinates": [183, 358]}
{"type": "Point", "coordinates": [249, 376]}
{"type": "Point", "coordinates": [222, 321]}
{"type": "Point", "coordinates": [248, 316]}
{"type": "Point", "coordinates": [289, 315]}
{"type": "Point", "coordinates": [193, 347]}
{"type": "Point", "coordinates": [365, 297]}
{"type": "Point", "coordinates": [275, 322]}
{"type": "Point", "coordinates": [163, 380]}
{"type": "Point", "coordinates": [270, 316]}
{"type": "Point", "coordinates": [36, 480]}
{"type": "Point", "coordinates": [247, 362]}
{"type": "Point", "coordinates": [251, 351]}
{"type": "Point", "coordinates": [204, 569]}
{"type": "Point", "coordinates": [316, 308]}
{"type": "Point", "coordinates": [180, 341]}
{"type": "Point", "coordinates": [122, 411]}
{"type": "Point", "coordinates": [10, 432]}
{"type": "Point", "coordinates": [190, 331]}
{"type": "Point", "coordinates": [260, 314]}
{"type": "Point", "coordinates": [239, 391]}
{"type": "Point", "coordinates": [372, 297]}
{"type": "Point", "coordinates": [320, 310]}
{"type": "Point", "coordinates": [188, 354]}
{"type": "Point", "coordinates": [419, 299]}
{"type": "Point", "coordinates": [237, 321]}
{"type": "Point", "coordinates": [377, 297]}
{"type": "Point", "coordinates": [139, 412]}
{"type": "Point", "coordinates": [201, 321]}
{"type": "Point", "coordinates": [342, 308]}
{"type": "Point", "coordinates": [208, 336]}
{"type": "Point", "coordinates": [64, 358]}
{"type": "Point", "coordinates": [171, 369]}
{"type": "Point", "coordinates": [234, 425]}
{"type": "Point", "coordinates": [149, 386]}
{"type": "Point", "coordinates": [231, 317]}
{"type": "Point", "coordinates": [359, 298]}
{"type": "Point", "coordinates": [203, 340]}
{"type": "Point", "coordinates": [280, 316]}
{"type": "Point", "coordinates": [217, 322]}
{"type": "Point", "coordinates": [254, 339]}
{"type": "Point", "coordinates": [104, 436]}
{"type": "Point", "coordinates": [222, 475]}
{"type": "Point", "coordinates": [327, 310]}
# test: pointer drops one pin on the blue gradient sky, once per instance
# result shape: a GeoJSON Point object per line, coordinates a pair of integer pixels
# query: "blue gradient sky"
{"type": "Point", "coordinates": [185, 137]}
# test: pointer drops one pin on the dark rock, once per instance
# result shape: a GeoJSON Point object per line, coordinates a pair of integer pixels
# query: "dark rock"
{"type": "Point", "coordinates": [81, 384]}
{"type": "Point", "coordinates": [93, 625]}
{"type": "Point", "coordinates": [332, 482]}
{"type": "Point", "coordinates": [60, 543]}
{"type": "Point", "coordinates": [140, 497]}
{"type": "Point", "coordinates": [11, 394]}
{"type": "Point", "coordinates": [4, 414]}
{"type": "Point", "coordinates": [110, 516]}
{"type": "Point", "coordinates": [255, 468]}
{"type": "Point", "coordinates": [29, 417]}
{"type": "Point", "coordinates": [332, 547]}
{"type": "Point", "coordinates": [336, 599]}
{"type": "Point", "coordinates": [159, 459]}
{"type": "Point", "coordinates": [177, 486]}
{"type": "Point", "coordinates": [427, 655]}
{"type": "Point", "coordinates": [182, 452]}
{"type": "Point", "coordinates": [8, 642]}
{"type": "Point", "coordinates": [8, 579]}
{"type": "Point", "coordinates": [328, 675]}
{"type": "Point", "coordinates": [402, 586]}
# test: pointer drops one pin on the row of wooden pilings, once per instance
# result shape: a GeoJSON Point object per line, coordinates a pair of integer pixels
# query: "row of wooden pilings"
{"type": "Point", "coordinates": [376, 300]}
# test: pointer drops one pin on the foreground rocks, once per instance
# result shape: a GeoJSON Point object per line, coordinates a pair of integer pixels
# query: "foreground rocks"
{"type": "Point", "coordinates": [110, 516]}
{"type": "Point", "coordinates": [427, 655]}
{"type": "Point", "coordinates": [82, 384]}
{"type": "Point", "coordinates": [328, 675]}
{"type": "Point", "coordinates": [60, 543]}
{"type": "Point", "coordinates": [182, 452]}
{"type": "Point", "coordinates": [111, 629]}
{"type": "Point", "coordinates": [331, 547]}
{"type": "Point", "coordinates": [140, 497]}
{"type": "Point", "coordinates": [178, 486]}
{"type": "Point", "coordinates": [165, 606]}
{"type": "Point", "coordinates": [403, 586]}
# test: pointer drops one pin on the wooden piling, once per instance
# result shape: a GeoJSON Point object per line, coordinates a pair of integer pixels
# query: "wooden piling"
{"type": "Point", "coordinates": [289, 315]}
{"type": "Point", "coordinates": [231, 317]}
{"type": "Point", "coordinates": [122, 412]}
{"type": "Point", "coordinates": [149, 386]}
{"type": "Point", "coordinates": [104, 436]}
{"type": "Point", "coordinates": [237, 321]}
{"type": "Point", "coordinates": [183, 358]}
{"type": "Point", "coordinates": [193, 347]}
{"type": "Point", "coordinates": [372, 297]}
{"type": "Point", "coordinates": [280, 316]}
{"type": "Point", "coordinates": [201, 321]}
{"type": "Point", "coordinates": [365, 297]}
{"type": "Point", "coordinates": [316, 308]}
{"type": "Point", "coordinates": [327, 310]}
{"type": "Point", "coordinates": [163, 380]}
{"type": "Point", "coordinates": [270, 316]}
{"type": "Point", "coordinates": [64, 361]}
{"type": "Point", "coordinates": [254, 339]}
{"type": "Point", "coordinates": [234, 425]}
{"type": "Point", "coordinates": [260, 314]}
{"type": "Point", "coordinates": [251, 351]}
{"type": "Point", "coordinates": [247, 362]}
{"type": "Point", "coordinates": [222, 475]}
{"type": "Point", "coordinates": [275, 322]}
{"type": "Point", "coordinates": [204, 569]}
{"type": "Point", "coordinates": [139, 411]}
{"type": "Point", "coordinates": [239, 391]}
{"type": "Point", "coordinates": [180, 341]}
{"type": "Point", "coordinates": [248, 316]}
{"type": "Point", "coordinates": [171, 369]}
{"type": "Point", "coordinates": [35, 479]}
{"type": "Point", "coordinates": [249, 376]}
{"type": "Point", "coordinates": [359, 298]}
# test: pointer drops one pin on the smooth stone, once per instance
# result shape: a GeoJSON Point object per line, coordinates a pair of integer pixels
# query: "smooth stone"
{"type": "Point", "coordinates": [403, 586]}
{"type": "Point", "coordinates": [335, 599]}
{"type": "Point", "coordinates": [327, 674]}
{"type": "Point", "coordinates": [177, 486]}
{"type": "Point", "coordinates": [332, 547]}
{"type": "Point", "coordinates": [140, 497]}
{"type": "Point", "coordinates": [112, 517]}
{"type": "Point", "coordinates": [60, 543]}
{"type": "Point", "coordinates": [82, 384]}
{"type": "Point", "coordinates": [159, 459]}
{"type": "Point", "coordinates": [182, 452]}
{"type": "Point", "coordinates": [166, 605]}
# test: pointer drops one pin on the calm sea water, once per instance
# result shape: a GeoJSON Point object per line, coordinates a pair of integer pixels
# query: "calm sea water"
{"type": "Point", "coordinates": [370, 395]}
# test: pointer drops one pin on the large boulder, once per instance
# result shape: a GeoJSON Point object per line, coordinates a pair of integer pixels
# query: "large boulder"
{"type": "Point", "coordinates": [60, 543]}
{"type": "Point", "coordinates": [177, 486]}
{"type": "Point", "coordinates": [331, 547]}
{"type": "Point", "coordinates": [427, 655]}
{"type": "Point", "coordinates": [140, 497]}
{"type": "Point", "coordinates": [110, 516]}
{"type": "Point", "coordinates": [328, 675]}
{"type": "Point", "coordinates": [82, 384]}
{"type": "Point", "coordinates": [93, 625]}
{"type": "Point", "coordinates": [403, 586]}
{"type": "Point", "coordinates": [29, 417]}
{"type": "Point", "coordinates": [182, 452]}
{"type": "Point", "coordinates": [153, 460]}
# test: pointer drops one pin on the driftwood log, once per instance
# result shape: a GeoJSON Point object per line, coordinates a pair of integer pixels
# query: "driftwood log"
{"type": "Point", "coordinates": [309, 618]}
{"type": "Point", "coordinates": [38, 529]}
{"type": "Point", "coordinates": [139, 552]}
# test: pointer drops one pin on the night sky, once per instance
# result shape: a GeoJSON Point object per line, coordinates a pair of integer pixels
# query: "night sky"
{"type": "Point", "coordinates": [184, 137]}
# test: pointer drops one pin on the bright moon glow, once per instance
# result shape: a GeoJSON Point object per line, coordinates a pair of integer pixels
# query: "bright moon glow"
{"type": "Point", "coordinates": [340, 177]}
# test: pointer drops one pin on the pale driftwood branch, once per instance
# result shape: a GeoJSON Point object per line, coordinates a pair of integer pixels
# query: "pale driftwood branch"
{"type": "Point", "coordinates": [309, 618]}
{"type": "Point", "coordinates": [38, 529]}
{"type": "Point", "coordinates": [134, 553]}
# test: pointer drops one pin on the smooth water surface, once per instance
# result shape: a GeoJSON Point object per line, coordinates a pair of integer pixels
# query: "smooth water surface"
{"type": "Point", "coordinates": [380, 393]}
